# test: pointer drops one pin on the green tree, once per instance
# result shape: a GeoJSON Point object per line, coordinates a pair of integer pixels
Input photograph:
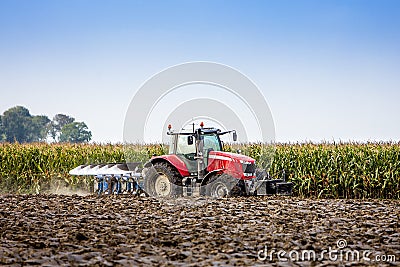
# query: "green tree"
{"type": "Point", "coordinates": [59, 121]}
{"type": "Point", "coordinates": [39, 128]}
{"type": "Point", "coordinates": [2, 135]}
{"type": "Point", "coordinates": [19, 125]}
{"type": "Point", "coordinates": [16, 124]}
{"type": "Point", "coordinates": [75, 132]}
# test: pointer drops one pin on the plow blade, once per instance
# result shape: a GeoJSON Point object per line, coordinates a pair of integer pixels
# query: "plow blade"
{"type": "Point", "coordinates": [112, 178]}
{"type": "Point", "coordinates": [106, 169]}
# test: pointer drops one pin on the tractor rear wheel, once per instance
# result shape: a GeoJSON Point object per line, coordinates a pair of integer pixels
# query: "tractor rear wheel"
{"type": "Point", "coordinates": [162, 180]}
{"type": "Point", "coordinates": [223, 186]}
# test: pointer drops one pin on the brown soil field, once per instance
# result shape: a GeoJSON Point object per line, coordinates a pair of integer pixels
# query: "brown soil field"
{"type": "Point", "coordinates": [61, 230]}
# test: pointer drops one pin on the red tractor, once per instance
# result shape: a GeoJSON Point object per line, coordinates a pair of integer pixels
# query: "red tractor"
{"type": "Point", "coordinates": [197, 165]}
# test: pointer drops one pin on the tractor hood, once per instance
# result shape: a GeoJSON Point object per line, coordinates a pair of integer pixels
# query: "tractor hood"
{"type": "Point", "coordinates": [230, 157]}
{"type": "Point", "coordinates": [236, 165]}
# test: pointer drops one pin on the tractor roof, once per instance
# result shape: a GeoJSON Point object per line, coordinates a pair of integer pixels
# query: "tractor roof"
{"type": "Point", "coordinates": [210, 130]}
{"type": "Point", "coordinates": [203, 131]}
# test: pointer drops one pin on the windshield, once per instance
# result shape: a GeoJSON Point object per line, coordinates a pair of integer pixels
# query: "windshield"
{"type": "Point", "coordinates": [182, 146]}
{"type": "Point", "coordinates": [211, 142]}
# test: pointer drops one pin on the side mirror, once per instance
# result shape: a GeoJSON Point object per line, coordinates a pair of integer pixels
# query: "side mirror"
{"type": "Point", "coordinates": [190, 140]}
{"type": "Point", "coordinates": [234, 136]}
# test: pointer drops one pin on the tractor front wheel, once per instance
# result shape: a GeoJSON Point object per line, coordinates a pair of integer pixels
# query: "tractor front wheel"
{"type": "Point", "coordinates": [223, 186]}
{"type": "Point", "coordinates": [162, 180]}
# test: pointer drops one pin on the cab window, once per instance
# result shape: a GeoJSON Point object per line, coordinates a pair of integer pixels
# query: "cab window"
{"type": "Point", "coordinates": [212, 142]}
{"type": "Point", "coordinates": [182, 146]}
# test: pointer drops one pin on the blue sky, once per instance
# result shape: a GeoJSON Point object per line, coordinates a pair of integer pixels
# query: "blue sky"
{"type": "Point", "coordinates": [328, 69]}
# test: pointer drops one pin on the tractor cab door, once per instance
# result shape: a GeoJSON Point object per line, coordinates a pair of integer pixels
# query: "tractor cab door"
{"type": "Point", "coordinates": [185, 152]}
{"type": "Point", "coordinates": [211, 143]}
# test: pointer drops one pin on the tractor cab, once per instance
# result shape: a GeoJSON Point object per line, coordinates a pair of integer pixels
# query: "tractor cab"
{"type": "Point", "coordinates": [191, 147]}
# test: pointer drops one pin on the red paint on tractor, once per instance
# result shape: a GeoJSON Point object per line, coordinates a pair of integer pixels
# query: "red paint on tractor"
{"type": "Point", "coordinates": [231, 163]}
{"type": "Point", "coordinates": [174, 161]}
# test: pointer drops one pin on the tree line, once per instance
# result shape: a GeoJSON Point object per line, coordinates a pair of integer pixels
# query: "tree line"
{"type": "Point", "coordinates": [18, 125]}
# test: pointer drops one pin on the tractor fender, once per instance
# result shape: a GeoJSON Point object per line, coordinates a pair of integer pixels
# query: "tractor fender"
{"type": "Point", "coordinates": [172, 160]}
{"type": "Point", "coordinates": [209, 175]}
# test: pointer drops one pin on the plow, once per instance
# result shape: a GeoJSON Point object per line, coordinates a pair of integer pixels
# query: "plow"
{"type": "Point", "coordinates": [196, 165]}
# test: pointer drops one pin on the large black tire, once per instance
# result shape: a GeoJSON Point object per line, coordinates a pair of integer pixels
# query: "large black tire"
{"type": "Point", "coordinates": [223, 185]}
{"type": "Point", "coordinates": [162, 180]}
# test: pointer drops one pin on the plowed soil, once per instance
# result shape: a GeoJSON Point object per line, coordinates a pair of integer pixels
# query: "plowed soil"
{"type": "Point", "coordinates": [54, 230]}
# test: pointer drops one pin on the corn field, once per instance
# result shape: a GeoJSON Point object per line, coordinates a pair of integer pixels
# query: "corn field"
{"type": "Point", "coordinates": [345, 170]}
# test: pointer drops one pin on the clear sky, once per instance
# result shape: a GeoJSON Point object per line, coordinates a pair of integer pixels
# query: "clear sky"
{"type": "Point", "coordinates": [328, 69]}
